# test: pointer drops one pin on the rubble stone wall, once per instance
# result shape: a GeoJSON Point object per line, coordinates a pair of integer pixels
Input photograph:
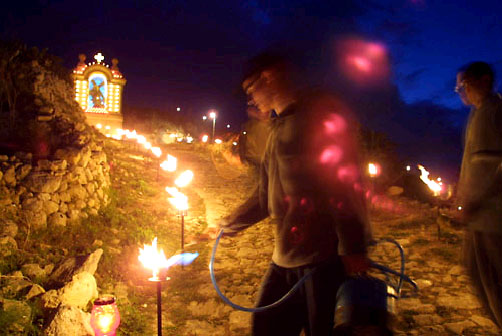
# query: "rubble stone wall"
{"type": "Point", "coordinates": [55, 192]}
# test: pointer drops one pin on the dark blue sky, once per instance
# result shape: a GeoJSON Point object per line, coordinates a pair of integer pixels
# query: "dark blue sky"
{"type": "Point", "coordinates": [191, 53]}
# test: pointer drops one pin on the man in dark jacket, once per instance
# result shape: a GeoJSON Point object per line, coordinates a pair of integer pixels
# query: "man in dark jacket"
{"type": "Point", "coordinates": [480, 184]}
{"type": "Point", "coordinates": [310, 185]}
{"type": "Point", "coordinates": [253, 138]}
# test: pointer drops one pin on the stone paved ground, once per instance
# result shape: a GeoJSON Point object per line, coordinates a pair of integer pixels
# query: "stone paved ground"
{"type": "Point", "coordinates": [445, 304]}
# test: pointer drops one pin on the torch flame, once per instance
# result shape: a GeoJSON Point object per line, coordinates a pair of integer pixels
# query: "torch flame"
{"type": "Point", "coordinates": [433, 185]}
{"type": "Point", "coordinates": [131, 134]}
{"type": "Point", "coordinates": [141, 139]}
{"type": "Point", "coordinates": [170, 164]}
{"type": "Point", "coordinates": [184, 179]}
{"type": "Point", "coordinates": [156, 151]}
{"type": "Point", "coordinates": [179, 200]}
{"type": "Point", "coordinates": [153, 259]}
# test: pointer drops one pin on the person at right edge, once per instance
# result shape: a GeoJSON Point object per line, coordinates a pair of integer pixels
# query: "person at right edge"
{"type": "Point", "coordinates": [310, 185]}
{"type": "Point", "coordinates": [479, 189]}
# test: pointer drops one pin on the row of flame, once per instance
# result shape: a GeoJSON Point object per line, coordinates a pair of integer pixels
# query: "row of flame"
{"type": "Point", "coordinates": [436, 186]}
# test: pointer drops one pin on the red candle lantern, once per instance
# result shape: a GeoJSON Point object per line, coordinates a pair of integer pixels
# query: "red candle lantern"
{"type": "Point", "coordinates": [105, 317]}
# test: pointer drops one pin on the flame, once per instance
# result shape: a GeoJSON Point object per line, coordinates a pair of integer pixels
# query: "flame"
{"type": "Point", "coordinates": [153, 259]}
{"type": "Point", "coordinates": [433, 185]}
{"type": "Point", "coordinates": [178, 199]}
{"type": "Point", "coordinates": [170, 164]}
{"type": "Point", "coordinates": [156, 151]}
{"type": "Point", "coordinates": [131, 134]}
{"type": "Point", "coordinates": [184, 179]}
{"type": "Point", "coordinates": [141, 139]}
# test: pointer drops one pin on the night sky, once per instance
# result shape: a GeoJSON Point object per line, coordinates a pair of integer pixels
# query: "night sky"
{"type": "Point", "coordinates": [191, 54]}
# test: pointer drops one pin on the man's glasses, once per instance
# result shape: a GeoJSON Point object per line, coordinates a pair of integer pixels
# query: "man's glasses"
{"type": "Point", "coordinates": [460, 88]}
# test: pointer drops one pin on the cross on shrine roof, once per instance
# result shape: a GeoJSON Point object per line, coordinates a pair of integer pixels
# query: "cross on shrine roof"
{"type": "Point", "coordinates": [98, 57]}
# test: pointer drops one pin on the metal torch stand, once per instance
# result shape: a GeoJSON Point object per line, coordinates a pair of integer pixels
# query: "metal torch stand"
{"type": "Point", "coordinates": [159, 303]}
{"type": "Point", "coordinates": [182, 214]}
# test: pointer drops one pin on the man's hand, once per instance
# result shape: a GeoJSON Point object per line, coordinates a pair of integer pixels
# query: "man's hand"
{"type": "Point", "coordinates": [356, 263]}
{"type": "Point", "coordinates": [213, 230]}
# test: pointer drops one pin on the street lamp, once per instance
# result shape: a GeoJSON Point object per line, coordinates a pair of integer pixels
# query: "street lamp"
{"type": "Point", "coordinates": [212, 115]}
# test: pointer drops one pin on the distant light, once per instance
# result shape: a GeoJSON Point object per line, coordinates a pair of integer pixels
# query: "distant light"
{"type": "Point", "coordinates": [408, 168]}
{"type": "Point", "coordinates": [244, 133]}
{"type": "Point", "coordinates": [107, 127]}
{"type": "Point", "coordinates": [99, 126]}
{"type": "Point", "coordinates": [212, 115]}
{"type": "Point", "coordinates": [205, 137]}
{"type": "Point", "coordinates": [439, 179]}
{"type": "Point", "coordinates": [204, 117]}
{"type": "Point", "coordinates": [218, 141]}
{"type": "Point", "coordinates": [228, 125]}
{"type": "Point", "coordinates": [459, 208]}
{"type": "Point", "coordinates": [234, 143]}
{"type": "Point", "coordinates": [373, 169]}
{"type": "Point", "coordinates": [189, 139]}
{"type": "Point", "coordinates": [178, 109]}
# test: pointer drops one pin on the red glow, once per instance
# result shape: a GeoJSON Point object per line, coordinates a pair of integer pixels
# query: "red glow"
{"type": "Point", "coordinates": [348, 174]}
{"type": "Point", "coordinates": [331, 155]}
{"type": "Point", "coordinates": [306, 205]}
{"type": "Point", "coordinates": [363, 62]}
{"type": "Point", "coordinates": [335, 124]}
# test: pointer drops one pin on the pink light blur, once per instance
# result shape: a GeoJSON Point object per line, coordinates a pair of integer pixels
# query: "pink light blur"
{"type": "Point", "coordinates": [335, 124]}
{"type": "Point", "coordinates": [363, 62]}
{"type": "Point", "coordinates": [347, 174]}
{"type": "Point", "coordinates": [331, 155]}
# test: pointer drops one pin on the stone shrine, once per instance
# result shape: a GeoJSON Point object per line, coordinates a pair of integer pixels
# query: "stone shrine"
{"type": "Point", "coordinates": [98, 90]}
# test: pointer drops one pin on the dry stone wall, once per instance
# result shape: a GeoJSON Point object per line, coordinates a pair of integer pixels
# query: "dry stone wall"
{"type": "Point", "coordinates": [55, 192]}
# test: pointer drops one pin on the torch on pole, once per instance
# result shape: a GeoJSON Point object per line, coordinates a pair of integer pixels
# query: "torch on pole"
{"type": "Point", "coordinates": [158, 281]}
{"type": "Point", "coordinates": [182, 214]}
{"type": "Point", "coordinates": [155, 260]}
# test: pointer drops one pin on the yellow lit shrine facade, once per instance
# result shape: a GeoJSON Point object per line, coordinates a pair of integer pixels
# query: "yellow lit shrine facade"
{"type": "Point", "coordinates": [98, 90]}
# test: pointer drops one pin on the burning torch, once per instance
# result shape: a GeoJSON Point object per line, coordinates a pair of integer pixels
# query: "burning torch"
{"type": "Point", "coordinates": [155, 260]}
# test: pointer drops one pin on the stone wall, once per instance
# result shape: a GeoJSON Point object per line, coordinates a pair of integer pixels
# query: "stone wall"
{"type": "Point", "coordinates": [55, 192]}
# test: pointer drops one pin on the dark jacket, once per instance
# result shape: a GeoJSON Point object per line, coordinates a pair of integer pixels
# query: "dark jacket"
{"type": "Point", "coordinates": [253, 140]}
{"type": "Point", "coordinates": [480, 183]}
{"type": "Point", "coordinates": [310, 184]}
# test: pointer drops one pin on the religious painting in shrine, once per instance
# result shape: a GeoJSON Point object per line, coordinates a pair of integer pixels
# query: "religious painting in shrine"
{"type": "Point", "coordinates": [97, 90]}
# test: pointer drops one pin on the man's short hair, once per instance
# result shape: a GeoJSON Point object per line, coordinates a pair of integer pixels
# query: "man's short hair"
{"type": "Point", "coordinates": [476, 71]}
{"type": "Point", "coordinates": [265, 61]}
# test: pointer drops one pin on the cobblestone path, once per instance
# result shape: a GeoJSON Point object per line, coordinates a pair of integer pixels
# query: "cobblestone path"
{"type": "Point", "coordinates": [445, 305]}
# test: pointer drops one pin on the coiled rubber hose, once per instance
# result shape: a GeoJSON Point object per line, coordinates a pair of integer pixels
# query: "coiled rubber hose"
{"type": "Point", "coordinates": [286, 296]}
{"type": "Point", "coordinates": [247, 309]}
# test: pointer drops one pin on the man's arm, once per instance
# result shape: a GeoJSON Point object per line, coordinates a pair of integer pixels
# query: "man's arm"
{"type": "Point", "coordinates": [254, 209]}
{"type": "Point", "coordinates": [249, 213]}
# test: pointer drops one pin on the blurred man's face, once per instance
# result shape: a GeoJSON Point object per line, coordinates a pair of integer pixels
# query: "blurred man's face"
{"type": "Point", "coordinates": [462, 87]}
{"type": "Point", "coordinates": [258, 89]}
